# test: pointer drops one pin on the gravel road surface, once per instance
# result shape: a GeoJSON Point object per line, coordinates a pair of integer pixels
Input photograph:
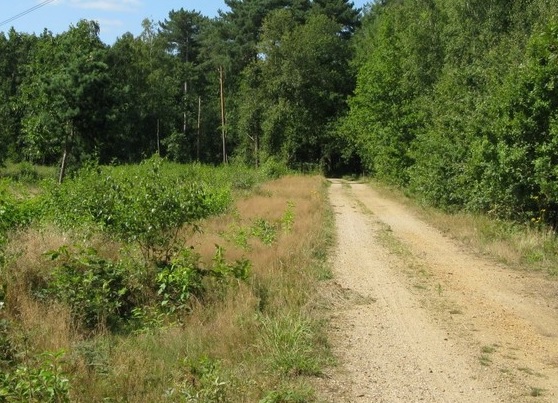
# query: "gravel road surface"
{"type": "Point", "coordinates": [416, 317]}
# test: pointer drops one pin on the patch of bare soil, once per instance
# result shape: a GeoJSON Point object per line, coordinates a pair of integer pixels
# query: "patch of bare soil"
{"type": "Point", "coordinates": [418, 317]}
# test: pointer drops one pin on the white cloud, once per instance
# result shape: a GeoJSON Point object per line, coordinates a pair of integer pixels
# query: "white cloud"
{"type": "Point", "coordinates": [107, 5]}
{"type": "Point", "coordinates": [108, 24]}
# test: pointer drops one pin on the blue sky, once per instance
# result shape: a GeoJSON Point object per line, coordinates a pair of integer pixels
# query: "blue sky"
{"type": "Point", "coordinates": [115, 16]}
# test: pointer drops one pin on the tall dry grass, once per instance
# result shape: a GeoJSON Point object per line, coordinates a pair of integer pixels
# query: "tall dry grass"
{"type": "Point", "coordinates": [523, 246]}
{"type": "Point", "coordinates": [254, 340]}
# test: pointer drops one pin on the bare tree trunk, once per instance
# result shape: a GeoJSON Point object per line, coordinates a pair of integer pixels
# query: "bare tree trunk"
{"type": "Point", "coordinates": [256, 150]}
{"type": "Point", "coordinates": [67, 144]}
{"type": "Point", "coordinates": [255, 141]}
{"type": "Point", "coordinates": [199, 130]}
{"type": "Point", "coordinates": [158, 137]}
{"type": "Point", "coordinates": [223, 122]}
{"type": "Point", "coordinates": [63, 165]}
{"type": "Point", "coordinates": [185, 93]}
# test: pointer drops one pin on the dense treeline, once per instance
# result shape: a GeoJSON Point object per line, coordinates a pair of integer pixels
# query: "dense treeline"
{"type": "Point", "coordinates": [457, 101]}
{"type": "Point", "coordinates": [453, 100]}
{"type": "Point", "coordinates": [281, 67]}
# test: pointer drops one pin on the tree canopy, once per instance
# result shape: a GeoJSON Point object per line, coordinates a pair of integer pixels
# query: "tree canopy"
{"type": "Point", "coordinates": [456, 101]}
{"type": "Point", "coordinates": [453, 100]}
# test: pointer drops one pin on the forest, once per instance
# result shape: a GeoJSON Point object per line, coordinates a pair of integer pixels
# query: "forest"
{"type": "Point", "coordinates": [453, 100]}
{"type": "Point", "coordinates": [265, 79]}
{"type": "Point", "coordinates": [152, 247]}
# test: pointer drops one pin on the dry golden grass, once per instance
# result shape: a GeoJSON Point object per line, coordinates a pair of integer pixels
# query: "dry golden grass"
{"type": "Point", "coordinates": [162, 364]}
{"type": "Point", "coordinates": [521, 246]}
{"type": "Point", "coordinates": [36, 326]}
{"type": "Point", "coordinates": [47, 327]}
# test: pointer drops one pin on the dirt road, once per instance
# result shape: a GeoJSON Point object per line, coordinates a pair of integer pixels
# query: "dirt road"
{"type": "Point", "coordinates": [418, 317]}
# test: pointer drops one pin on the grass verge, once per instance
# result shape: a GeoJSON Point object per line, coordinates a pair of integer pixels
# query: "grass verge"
{"type": "Point", "coordinates": [521, 246]}
{"type": "Point", "coordinates": [254, 340]}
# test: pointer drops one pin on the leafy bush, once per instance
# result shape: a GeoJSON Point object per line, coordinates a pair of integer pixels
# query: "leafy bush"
{"type": "Point", "coordinates": [96, 290]}
{"type": "Point", "coordinates": [274, 168]}
{"type": "Point", "coordinates": [147, 205]}
{"type": "Point", "coordinates": [208, 382]}
{"type": "Point", "coordinates": [42, 381]}
{"type": "Point", "coordinates": [180, 280]}
{"type": "Point", "coordinates": [264, 231]}
{"type": "Point", "coordinates": [184, 277]}
{"type": "Point", "coordinates": [15, 211]}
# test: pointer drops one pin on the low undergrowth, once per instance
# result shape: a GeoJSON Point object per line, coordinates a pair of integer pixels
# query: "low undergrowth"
{"type": "Point", "coordinates": [163, 282]}
{"type": "Point", "coordinates": [527, 246]}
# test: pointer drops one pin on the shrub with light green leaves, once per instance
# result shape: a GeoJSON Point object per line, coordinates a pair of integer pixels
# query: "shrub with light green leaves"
{"type": "Point", "coordinates": [15, 211]}
{"type": "Point", "coordinates": [185, 277]}
{"type": "Point", "coordinates": [147, 205]}
{"type": "Point", "coordinates": [96, 289]}
{"type": "Point", "coordinates": [40, 381]}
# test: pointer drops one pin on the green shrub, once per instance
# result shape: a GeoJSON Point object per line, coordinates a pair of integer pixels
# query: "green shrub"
{"type": "Point", "coordinates": [208, 382]}
{"type": "Point", "coordinates": [184, 277]}
{"type": "Point", "coordinates": [97, 290]}
{"type": "Point", "coordinates": [40, 381]}
{"type": "Point", "coordinates": [180, 280]}
{"type": "Point", "coordinates": [274, 168]}
{"type": "Point", "coordinates": [147, 204]}
{"type": "Point", "coordinates": [222, 270]}
{"type": "Point", "coordinates": [264, 231]}
{"type": "Point", "coordinates": [15, 211]}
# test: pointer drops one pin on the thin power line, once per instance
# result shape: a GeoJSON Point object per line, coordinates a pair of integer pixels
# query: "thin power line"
{"type": "Point", "coordinates": [30, 10]}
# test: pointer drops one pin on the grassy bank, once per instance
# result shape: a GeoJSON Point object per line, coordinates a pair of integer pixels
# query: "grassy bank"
{"type": "Point", "coordinates": [522, 246]}
{"type": "Point", "coordinates": [224, 314]}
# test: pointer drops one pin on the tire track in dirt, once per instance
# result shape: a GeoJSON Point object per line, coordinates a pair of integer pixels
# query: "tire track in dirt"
{"type": "Point", "coordinates": [432, 323]}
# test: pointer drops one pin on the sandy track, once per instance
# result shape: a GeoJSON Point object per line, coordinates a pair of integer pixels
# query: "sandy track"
{"type": "Point", "coordinates": [420, 318]}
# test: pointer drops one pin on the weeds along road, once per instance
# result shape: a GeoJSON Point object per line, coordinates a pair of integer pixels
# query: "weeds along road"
{"type": "Point", "coordinates": [417, 317]}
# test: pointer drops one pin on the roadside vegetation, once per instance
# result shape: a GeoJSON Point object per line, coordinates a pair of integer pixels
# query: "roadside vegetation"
{"type": "Point", "coordinates": [168, 279]}
{"type": "Point", "coordinates": [455, 101]}
{"type": "Point", "coordinates": [529, 246]}
{"type": "Point", "coordinates": [161, 282]}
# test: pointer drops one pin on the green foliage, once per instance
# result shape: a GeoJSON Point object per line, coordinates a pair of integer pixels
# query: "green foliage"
{"type": "Point", "coordinates": [287, 220]}
{"type": "Point", "coordinates": [208, 382]}
{"type": "Point", "coordinates": [531, 138]}
{"type": "Point", "coordinates": [27, 173]}
{"type": "Point", "coordinates": [291, 345]}
{"type": "Point", "coordinates": [97, 290]}
{"type": "Point", "coordinates": [39, 381]}
{"type": "Point", "coordinates": [180, 281]}
{"type": "Point", "coordinates": [264, 230]}
{"type": "Point", "coordinates": [274, 168]}
{"type": "Point", "coordinates": [289, 395]}
{"type": "Point", "coordinates": [13, 212]}
{"type": "Point", "coordinates": [7, 351]}
{"type": "Point", "coordinates": [399, 59]}
{"type": "Point", "coordinates": [456, 101]}
{"type": "Point", "coordinates": [65, 98]}
{"type": "Point", "coordinates": [222, 270]}
{"type": "Point", "coordinates": [148, 205]}
{"type": "Point", "coordinates": [305, 95]}
{"type": "Point", "coordinates": [16, 210]}
{"type": "Point", "coordinates": [286, 79]}
{"type": "Point", "coordinates": [183, 279]}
